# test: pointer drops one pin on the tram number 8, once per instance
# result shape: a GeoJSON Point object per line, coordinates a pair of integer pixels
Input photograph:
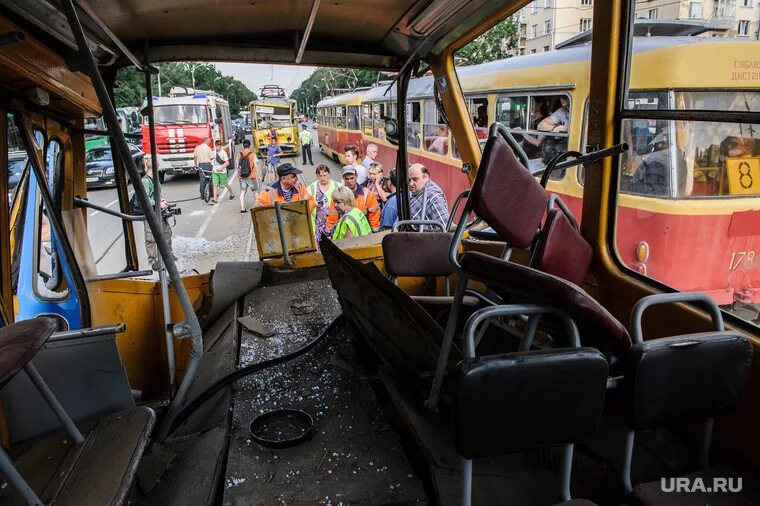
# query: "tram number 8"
{"type": "Point", "coordinates": [741, 257]}
{"type": "Point", "coordinates": [745, 175]}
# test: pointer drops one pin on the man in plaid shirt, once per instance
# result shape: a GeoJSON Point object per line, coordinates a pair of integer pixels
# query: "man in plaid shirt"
{"type": "Point", "coordinates": [427, 201]}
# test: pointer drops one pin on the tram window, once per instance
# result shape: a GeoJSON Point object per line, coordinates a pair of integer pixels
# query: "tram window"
{"type": "Point", "coordinates": [540, 123]}
{"type": "Point", "coordinates": [692, 159]}
{"type": "Point", "coordinates": [512, 112]}
{"type": "Point", "coordinates": [367, 119]}
{"type": "Point", "coordinates": [435, 132]}
{"type": "Point", "coordinates": [353, 117]}
{"type": "Point", "coordinates": [340, 120]}
{"type": "Point", "coordinates": [50, 283]}
{"type": "Point", "coordinates": [413, 124]}
{"type": "Point", "coordinates": [478, 108]}
{"type": "Point", "coordinates": [17, 160]}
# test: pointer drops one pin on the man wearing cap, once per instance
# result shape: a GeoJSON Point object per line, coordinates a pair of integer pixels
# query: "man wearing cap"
{"type": "Point", "coordinates": [286, 189]}
{"type": "Point", "coordinates": [366, 202]}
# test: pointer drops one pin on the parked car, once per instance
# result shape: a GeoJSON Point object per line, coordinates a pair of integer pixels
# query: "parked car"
{"type": "Point", "coordinates": [99, 165]}
{"type": "Point", "coordinates": [16, 165]}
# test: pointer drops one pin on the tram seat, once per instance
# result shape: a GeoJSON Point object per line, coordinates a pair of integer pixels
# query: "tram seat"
{"type": "Point", "coordinates": [414, 254]}
{"type": "Point", "coordinates": [561, 250]}
{"type": "Point", "coordinates": [506, 196]}
{"type": "Point", "coordinates": [504, 404]}
{"type": "Point", "coordinates": [101, 468]}
{"type": "Point", "coordinates": [520, 284]}
{"type": "Point", "coordinates": [682, 379]}
{"type": "Point", "coordinates": [510, 200]}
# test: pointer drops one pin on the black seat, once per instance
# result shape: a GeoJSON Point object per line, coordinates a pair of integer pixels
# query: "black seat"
{"type": "Point", "coordinates": [518, 401]}
{"type": "Point", "coordinates": [683, 379]}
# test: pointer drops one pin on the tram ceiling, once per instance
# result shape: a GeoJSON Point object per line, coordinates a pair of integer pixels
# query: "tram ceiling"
{"type": "Point", "coordinates": [358, 33]}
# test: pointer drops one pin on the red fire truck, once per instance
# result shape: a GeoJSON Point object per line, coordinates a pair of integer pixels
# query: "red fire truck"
{"type": "Point", "coordinates": [182, 120]}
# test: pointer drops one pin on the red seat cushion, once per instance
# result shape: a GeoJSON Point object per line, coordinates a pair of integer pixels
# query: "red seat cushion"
{"type": "Point", "coordinates": [562, 250]}
{"type": "Point", "coordinates": [20, 342]}
{"type": "Point", "coordinates": [507, 196]}
{"type": "Point", "coordinates": [597, 327]}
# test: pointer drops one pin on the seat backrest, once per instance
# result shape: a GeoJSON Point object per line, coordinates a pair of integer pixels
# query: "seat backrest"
{"type": "Point", "coordinates": [562, 250]}
{"type": "Point", "coordinates": [509, 403]}
{"type": "Point", "coordinates": [20, 342]}
{"type": "Point", "coordinates": [598, 328]}
{"type": "Point", "coordinates": [506, 196]}
{"type": "Point", "coordinates": [684, 378]}
{"type": "Point", "coordinates": [415, 254]}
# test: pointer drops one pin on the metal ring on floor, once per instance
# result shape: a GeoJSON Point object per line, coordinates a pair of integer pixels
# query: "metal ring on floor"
{"type": "Point", "coordinates": [299, 420]}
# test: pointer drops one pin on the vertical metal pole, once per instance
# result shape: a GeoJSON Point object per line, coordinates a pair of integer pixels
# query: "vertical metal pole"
{"type": "Point", "coordinates": [109, 113]}
{"type": "Point", "coordinates": [281, 231]}
{"type": "Point", "coordinates": [466, 482]}
{"type": "Point", "coordinates": [47, 394]}
{"type": "Point", "coordinates": [18, 482]}
{"type": "Point", "coordinates": [402, 190]}
{"type": "Point", "coordinates": [164, 282]}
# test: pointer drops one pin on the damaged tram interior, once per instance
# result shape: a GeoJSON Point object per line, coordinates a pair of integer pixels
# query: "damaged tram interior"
{"type": "Point", "coordinates": [511, 357]}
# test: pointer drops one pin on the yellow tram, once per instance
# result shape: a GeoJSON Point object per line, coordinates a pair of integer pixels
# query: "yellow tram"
{"type": "Point", "coordinates": [553, 370]}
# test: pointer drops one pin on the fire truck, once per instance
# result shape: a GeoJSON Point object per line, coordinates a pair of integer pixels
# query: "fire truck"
{"type": "Point", "coordinates": [182, 120]}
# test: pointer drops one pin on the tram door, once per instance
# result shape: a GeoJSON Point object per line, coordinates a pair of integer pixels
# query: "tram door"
{"type": "Point", "coordinates": [45, 282]}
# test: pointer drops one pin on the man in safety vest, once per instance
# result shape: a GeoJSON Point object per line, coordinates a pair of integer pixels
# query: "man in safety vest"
{"type": "Point", "coordinates": [352, 222]}
{"type": "Point", "coordinates": [286, 189]}
{"type": "Point", "coordinates": [366, 202]}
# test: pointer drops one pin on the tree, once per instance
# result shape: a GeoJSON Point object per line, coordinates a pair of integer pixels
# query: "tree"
{"type": "Point", "coordinates": [327, 81]}
{"type": "Point", "coordinates": [496, 44]}
{"type": "Point", "coordinates": [130, 89]}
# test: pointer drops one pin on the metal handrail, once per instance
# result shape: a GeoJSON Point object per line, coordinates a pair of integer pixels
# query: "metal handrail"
{"type": "Point", "coordinates": [118, 275]}
{"type": "Point", "coordinates": [90, 332]}
{"type": "Point", "coordinates": [429, 223]}
{"type": "Point", "coordinates": [83, 202]}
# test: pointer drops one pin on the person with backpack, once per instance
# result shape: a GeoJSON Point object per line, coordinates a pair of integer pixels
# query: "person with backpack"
{"type": "Point", "coordinates": [247, 177]}
{"type": "Point", "coordinates": [150, 242]}
{"type": "Point", "coordinates": [219, 177]}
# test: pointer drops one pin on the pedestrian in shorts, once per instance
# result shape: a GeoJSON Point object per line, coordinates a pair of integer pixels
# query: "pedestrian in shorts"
{"type": "Point", "coordinates": [247, 162]}
{"type": "Point", "coordinates": [219, 177]}
{"type": "Point", "coordinates": [273, 159]}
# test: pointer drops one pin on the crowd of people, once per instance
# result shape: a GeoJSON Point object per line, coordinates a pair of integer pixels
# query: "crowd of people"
{"type": "Point", "coordinates": [363, 202]}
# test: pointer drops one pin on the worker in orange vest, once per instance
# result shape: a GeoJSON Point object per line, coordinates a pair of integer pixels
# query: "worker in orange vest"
{"type": "Point", "coordinates": [366, 202]}
{"type": "Point", "coordinates": [286, 189]}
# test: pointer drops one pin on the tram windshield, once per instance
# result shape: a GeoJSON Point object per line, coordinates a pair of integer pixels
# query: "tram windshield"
{"type": "Point", "coordinates": [180, 114]}
{"type": "Point", "coordinates": [272, 117]}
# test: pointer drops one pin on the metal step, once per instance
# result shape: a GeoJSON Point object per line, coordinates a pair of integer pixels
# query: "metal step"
{"type": "Point", "coordinates": [107, 461]}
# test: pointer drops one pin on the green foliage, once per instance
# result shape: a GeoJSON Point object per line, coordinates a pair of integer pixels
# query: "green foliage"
{"type": "Point", "coordinates": [323, 81]}
{"type": "Point", "coordinates": [130, 90]}
{"type": "Point", "coordinates": [496, 44]}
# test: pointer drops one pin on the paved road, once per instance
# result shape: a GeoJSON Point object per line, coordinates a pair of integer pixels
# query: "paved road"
{"type": "Point", "coordinates": [204, 233]}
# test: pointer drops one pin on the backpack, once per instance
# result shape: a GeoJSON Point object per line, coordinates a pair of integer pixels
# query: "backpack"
{"type": "Point", "coordinates": [135, 208]}
{"type": "Point", "coordinates": [245, 165]}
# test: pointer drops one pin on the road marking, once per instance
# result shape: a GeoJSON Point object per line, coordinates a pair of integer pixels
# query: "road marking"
{"type": "Point", "coordinates": [250, 243]}
{"type": "Point", "coordinates": [208, 219]}
{"type": "Point", "coordinates": [107, 205]}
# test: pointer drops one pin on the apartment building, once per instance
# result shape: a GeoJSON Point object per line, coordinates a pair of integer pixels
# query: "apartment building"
{"type": "Point", "coordinates": [730, 18]}
{"type": "Point", "coordinates": [549, 22]}
{"type": "Point", "coordinates": [546, 23]}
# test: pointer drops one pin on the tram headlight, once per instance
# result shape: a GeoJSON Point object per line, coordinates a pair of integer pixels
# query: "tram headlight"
{"type": "Point", "coordinates": [642, 251]}
{"type": "Point", "coordinates": [290, 139]}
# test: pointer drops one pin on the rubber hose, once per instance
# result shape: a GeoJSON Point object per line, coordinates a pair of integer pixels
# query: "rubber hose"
{"type": "Point", "coordinates": [207, 394]}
